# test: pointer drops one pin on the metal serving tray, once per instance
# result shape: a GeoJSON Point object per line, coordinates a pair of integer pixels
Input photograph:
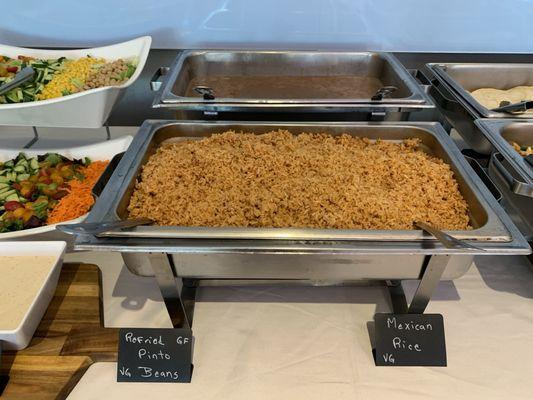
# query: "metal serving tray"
{"type": "Point", "coordinates": [192, 64]}
{"type": "Point", "coordinates": [298, 253]}
{"type": "Point", "coordinates": [483, 218]}
{"type": "Point", "coordinates": [509, 169]}
{"type": "Point", "coordinates": [464, 78]}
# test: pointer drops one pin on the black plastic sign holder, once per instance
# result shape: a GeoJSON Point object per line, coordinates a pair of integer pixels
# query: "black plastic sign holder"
{"type": "Point", "coordinates": [155, 355]}
{"type": "Point", "coordinates": [410, 340]}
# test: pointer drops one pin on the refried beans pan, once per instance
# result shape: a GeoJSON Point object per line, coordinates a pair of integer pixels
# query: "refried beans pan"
{"type": "Point", "coordinates": [189, 199]}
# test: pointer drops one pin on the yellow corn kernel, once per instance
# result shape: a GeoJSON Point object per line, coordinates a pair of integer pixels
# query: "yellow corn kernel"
{"type": "Point", "coordinates": [73, 69]}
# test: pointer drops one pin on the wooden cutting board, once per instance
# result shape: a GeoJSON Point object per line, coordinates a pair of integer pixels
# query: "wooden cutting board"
{"type": "Point", "coordinates": [68, 340]}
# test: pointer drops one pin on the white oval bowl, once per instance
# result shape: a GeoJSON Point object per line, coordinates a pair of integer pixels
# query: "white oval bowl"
{"type": "Point", "coordinates": [97, 152]}
{"type": "Point", "coordinates": [87, 109]}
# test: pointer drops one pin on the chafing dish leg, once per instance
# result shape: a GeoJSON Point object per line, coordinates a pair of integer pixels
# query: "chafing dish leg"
{"type": "Point", "coordinates": [430, 279]}
{"type": "Point", "coordinates": [170, 289]}
{"type": "Point", "coordinates": [397, 296]}
{"type": "Point", "coordinates": [188, 296]}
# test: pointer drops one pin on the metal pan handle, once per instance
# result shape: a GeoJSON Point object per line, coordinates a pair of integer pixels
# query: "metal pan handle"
{"type": "Point", "coordinates": [516, 186]}
{"type": "Point", "coordinates": [437, 87]}
{"type": "Point", "coordinates": [478, 169]}
{"type": "Point", "coordinates": [99, 186]}
{"type": "Point", "coordinates": [156, 82]}
{"type": "Point", "coordinates": [422, 79]}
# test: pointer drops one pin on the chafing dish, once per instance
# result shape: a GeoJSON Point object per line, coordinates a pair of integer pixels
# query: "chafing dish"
{"type": "Point", "coordinates": [276, 253]}
{"type": "Point", "coordinates": [452, 86]}
{"type": "Point", "coordinates": [306, 75]}
{"type": "Point", "coordinates": [509, 169]}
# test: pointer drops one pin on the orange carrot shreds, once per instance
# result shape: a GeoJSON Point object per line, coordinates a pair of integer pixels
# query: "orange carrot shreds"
{"type": "Point", "coordinates": [79, 200]}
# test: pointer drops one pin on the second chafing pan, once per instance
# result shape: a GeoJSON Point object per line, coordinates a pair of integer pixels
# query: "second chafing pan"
{"type": "Point", "coordinates": [501, 133]}
{"type": "Point", "coordinates": [486, 216]}
{"type": "Point", "coordinates": [512, 173]}
{"type": "Point", "coordinates": [467, 77]}
{"type": "Point", "coordinates": [194, 65]}
{"type": "Point", "coordinates": [451, 89]}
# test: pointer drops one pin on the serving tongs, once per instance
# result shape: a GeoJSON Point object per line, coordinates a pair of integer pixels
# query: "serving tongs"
{"type": "Point", "coordinates": [446, 240]}
{"type": "Point", "coordinates": [514, 108]}
{"type": "Point", "coordinates": [97, 228]}
{"type": "Point", "coordinates": [21, 77]}
{"type": "Point", "coordinates": [384, 92]}
{"type": "Point", "coordinates": [205, 91]}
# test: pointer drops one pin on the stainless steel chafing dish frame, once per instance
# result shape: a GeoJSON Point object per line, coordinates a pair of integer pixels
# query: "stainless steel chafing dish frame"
{"type": "Point", "coordinates": [417, 99]}
{"type": "Point", "coordinates": [509, 169]}
{"type": "Point", "coordinates": [194, 259]}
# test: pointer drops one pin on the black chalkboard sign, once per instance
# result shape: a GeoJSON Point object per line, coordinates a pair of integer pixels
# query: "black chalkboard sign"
{"type": "Point", "coordinates": [410, 340]}
{"type": "Point", "coordinates": [154, 355]}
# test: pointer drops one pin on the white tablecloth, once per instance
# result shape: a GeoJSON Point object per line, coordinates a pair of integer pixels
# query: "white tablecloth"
{"type": "Point", "coordinates": [313, 343]}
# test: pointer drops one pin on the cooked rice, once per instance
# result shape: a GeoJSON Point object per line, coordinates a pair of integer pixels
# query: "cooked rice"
{"type": "Point", "coordinates": [309, 180]}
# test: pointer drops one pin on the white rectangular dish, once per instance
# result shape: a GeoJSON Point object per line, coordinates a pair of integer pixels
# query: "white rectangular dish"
{"type": "Point", "coordinates": [17, 334]}
{"type": "Point", "coordinates": [97, 152]}
{"type": "Point", "coordinates": [87, 109]}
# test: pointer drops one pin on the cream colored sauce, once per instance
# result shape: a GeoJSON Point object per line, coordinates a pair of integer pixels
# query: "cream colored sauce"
{"type": "Point", "coordinates": [21, 278]}
{"type": "Point", "coordinates": [491, 98]}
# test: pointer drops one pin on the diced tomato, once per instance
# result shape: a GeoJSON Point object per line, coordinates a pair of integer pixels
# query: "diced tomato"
{"type": "Point", "coordinates": [12, 68]}
{"type": "Point", "coordinates": [60, 194]}
{"type": "Point", "coordinates": [45, 180]}
{"type": "Point", "coordinates": [16, 186]}
{"type": "Point", "coordinates": [12, 205]}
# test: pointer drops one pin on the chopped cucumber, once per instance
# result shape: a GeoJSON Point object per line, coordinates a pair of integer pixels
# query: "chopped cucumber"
{"type": "Point", "coordinates": [11, 97]}
{"type": "Point", "coordinates": [34, 164]}
{"type": "Point", "coordinates": [20, 168]}
{"type": "Point", "coordinates": [4, 196]}
{"type": "Point", "coordinates": [3, 179]}
{"type": "Point", "coordinates": [13, 197]}
{"type": "Point", "coordinates": [23, 177]}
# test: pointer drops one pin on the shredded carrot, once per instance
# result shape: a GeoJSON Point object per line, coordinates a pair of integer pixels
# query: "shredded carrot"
{"type": "Point", "coordinates": [79, 200]}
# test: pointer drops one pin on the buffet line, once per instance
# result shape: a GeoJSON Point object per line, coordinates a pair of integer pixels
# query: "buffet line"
{"type": "Point", "coordinates": [242, 185]}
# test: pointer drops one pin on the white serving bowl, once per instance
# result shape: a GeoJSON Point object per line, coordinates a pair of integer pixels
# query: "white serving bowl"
{"type": "Point", "coordinates": [97, 152]}
{"type": "Point", "coordinates": [87, 109]}
{"type": "Point", "coordinates": [20, 337]}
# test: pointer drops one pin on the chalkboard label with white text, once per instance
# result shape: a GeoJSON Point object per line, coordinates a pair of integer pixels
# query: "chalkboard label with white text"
{"type": "Point", "coordinates": [410, 340]}
{"type": "Point", "coordinates": [154, 355]}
